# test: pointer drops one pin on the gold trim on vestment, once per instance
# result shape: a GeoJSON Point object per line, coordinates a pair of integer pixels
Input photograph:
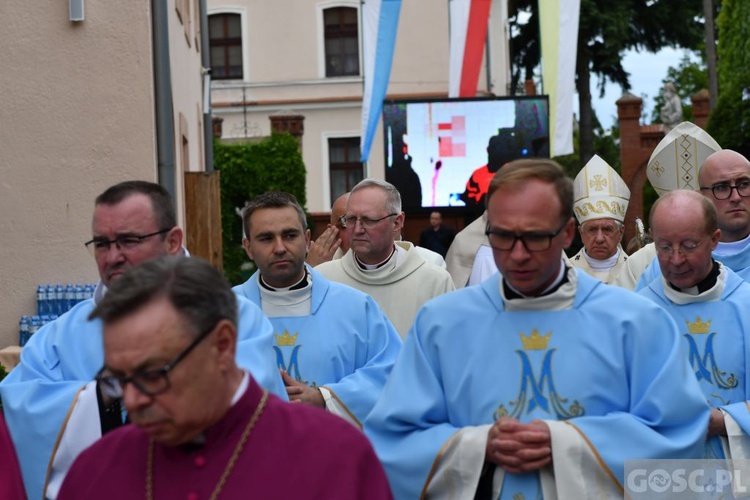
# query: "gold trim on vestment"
{"type": "Point", "coordinates": [59, 438]}
{"type": "Point", "coordinates": [599, 458]}
{"type": "Point", "coordinates": [351, 415]}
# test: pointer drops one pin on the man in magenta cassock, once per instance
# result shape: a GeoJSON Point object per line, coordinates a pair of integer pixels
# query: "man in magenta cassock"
{"type": "Point", "coordinates": [202, 427]}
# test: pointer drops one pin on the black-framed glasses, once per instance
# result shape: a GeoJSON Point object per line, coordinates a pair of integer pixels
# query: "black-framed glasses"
{"type": "Point", "coordinates": [532, 241]}
{"type": "Point", "coordinates": [685, 248]}
{"type": "Point", "coordinates": [123, 243]}
{"type": "Point", "coordinates": [150, 382]}
{"type": "Point", "coordinates": [365, 222]}
{"type": "Point", "coordinates": [723, 191]}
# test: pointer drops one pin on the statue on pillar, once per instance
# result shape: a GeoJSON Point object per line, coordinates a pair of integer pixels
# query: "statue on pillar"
{"type": "Point", "coordinates": [671, 111]}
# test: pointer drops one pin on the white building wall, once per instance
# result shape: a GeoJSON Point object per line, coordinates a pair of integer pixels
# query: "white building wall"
{"type": "Point", "coordinates": [187, 92]}
{"type": "Point", "coordinates": [283, 52]}
{"type": "Point", "coordinates": [76, 116]}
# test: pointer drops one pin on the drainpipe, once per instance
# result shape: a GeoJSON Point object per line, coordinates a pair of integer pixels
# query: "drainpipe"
{"type": "Point", "coordinates": [208, 135]}
{"type": "Point", "coordinates": [165, 153]}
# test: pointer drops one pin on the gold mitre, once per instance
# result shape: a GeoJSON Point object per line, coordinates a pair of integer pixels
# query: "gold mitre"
{"type": "Point", "coordinates": [535, 341]}
{"type": "Point", "coordinates": [599, 192]}
{"type": "Point", "coordinates": [675, 162]}
{"type": "Point", "coordinates": [286, 339]}
{"type": "Point", "coordinates": [699, 326]}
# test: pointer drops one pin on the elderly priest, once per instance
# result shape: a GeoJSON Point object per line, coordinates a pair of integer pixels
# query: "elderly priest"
{"type": "Point", "coordinates": [601, 200]}
{"type": "Point", "coordinates": [204, 427]}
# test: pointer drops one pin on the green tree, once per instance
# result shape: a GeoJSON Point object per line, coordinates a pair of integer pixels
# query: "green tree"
{"type": "Point", "coordinates": [729, 122]}
{"type": "Point", "coordinates": [248, 170]}
{"type": "Point", "coordinates": [688, 77]}
{"type": "Point", "coordinates": [606, 31]}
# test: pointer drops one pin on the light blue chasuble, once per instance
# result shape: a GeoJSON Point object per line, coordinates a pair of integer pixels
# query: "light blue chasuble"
{"type": "Point", "coordinates": [595, 364]}
{"type": "Point", "coordinates": [715, 328]}
{"type": "Point", "coordinates": [346, 344]}
{"type": "Point", "coordinates": [739, 263]}
{"type": "Point", "coordinates": [65, 354]}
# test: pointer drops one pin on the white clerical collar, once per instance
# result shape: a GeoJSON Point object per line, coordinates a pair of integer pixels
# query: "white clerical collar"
{"type": "Point", "coordinates": [242, 388]}
{"type": "Point", "coordinates": [555, 283]}
{"type": "Point", "coordinates": [293, 287]}
{"type": "Point", "coordinates": [560, 299]}
{"type": "Point", "coordinates": [602, 265]}
{"type": "Point", "coordinates": [728, 248]}
{"type": "Point", "coordinates": [295, 300]}
{"type": "Point", "coordinates": [372, 267]}
{"type": "Point", "coordinates": [691, 295]}
{"type": "Point", "coordinates": [200, 439]}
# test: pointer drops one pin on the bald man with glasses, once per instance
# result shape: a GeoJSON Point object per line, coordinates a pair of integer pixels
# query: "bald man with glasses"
{"type": "Point", "coordinates": [53, 407]}
{"type": "Point", "coordinates": [724, 179]}
{"type": "Point", "coordinates": [391, 271]}
{"type": "Point", "coordinates": [709, 303]}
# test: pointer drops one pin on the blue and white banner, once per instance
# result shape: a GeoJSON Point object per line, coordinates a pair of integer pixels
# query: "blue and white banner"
{"type": "Point", "coordinates": [379, 26]}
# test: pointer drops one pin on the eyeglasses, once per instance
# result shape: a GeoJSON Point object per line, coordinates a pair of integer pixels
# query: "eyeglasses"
{"type": "Point", "coordinates": [150, 382]}
{"type": "Point", "coordinates": [724, 191]}
{"type": "Point", "coordinates": [533, 242]}
{"type": "Point", "coordinates": [683, 249]}
{"type": "Point", "coordinates": [365, 222]}
{"type": "Point", "coordinates": [123, 243]}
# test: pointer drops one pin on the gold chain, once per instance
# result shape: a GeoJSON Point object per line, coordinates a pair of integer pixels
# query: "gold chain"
{"type": "Point", "coordinates": [230, 465]}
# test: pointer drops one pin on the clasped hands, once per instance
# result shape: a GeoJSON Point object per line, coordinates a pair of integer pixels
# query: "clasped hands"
{"type": "Point", "coordinates": [517, 447]}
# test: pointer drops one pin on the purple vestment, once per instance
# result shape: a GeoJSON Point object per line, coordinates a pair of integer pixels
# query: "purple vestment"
{"type": "Point", "coordinates": [294, 451]}
{"type": "Point", "coordinates": [11, 486]}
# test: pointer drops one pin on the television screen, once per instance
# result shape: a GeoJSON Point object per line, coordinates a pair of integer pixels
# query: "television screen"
{"type": "Point", "coordinates": [443, 153]}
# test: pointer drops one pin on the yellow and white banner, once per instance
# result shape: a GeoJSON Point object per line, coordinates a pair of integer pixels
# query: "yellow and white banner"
{"type": "Point", "coordinates": [559, 32]}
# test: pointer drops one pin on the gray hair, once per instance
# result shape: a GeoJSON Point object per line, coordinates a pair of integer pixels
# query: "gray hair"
{"type": "Point", "coordinates": [392, 196]}
{"type": "Point", "coordinates": [199, 293]}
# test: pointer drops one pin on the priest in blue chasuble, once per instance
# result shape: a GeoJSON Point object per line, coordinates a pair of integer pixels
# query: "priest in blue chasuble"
{"type": "Point", "coordinates": [334, 345]}
{"type": "Point", "coordinates": [541, 381]}
{"type": "Point", "coordinates": [709, 302]}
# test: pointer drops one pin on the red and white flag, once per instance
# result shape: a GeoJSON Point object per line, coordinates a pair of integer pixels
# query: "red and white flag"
{"type": "Point", "coordinates": [468, 36]}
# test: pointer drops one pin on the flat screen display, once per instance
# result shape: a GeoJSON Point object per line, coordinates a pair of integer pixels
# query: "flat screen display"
{"type": "Point", "coordinates": [443, 153]}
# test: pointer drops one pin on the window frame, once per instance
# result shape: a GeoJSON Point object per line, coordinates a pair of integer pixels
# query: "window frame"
{"type": "Point", "coordinates": [328, 196]}
{"type": "Point", "coordinates": [244, 43]}
{"type": "Point", "coordinates": [321, 8]}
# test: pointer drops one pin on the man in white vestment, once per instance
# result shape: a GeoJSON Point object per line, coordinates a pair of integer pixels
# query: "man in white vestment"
{"type": "Point", "coordinates": [601, 200]}
{"type": "Point", "coordinates": [392, 272]}
{"type": "Point", "coordinates": [469, 259]}
{"type": "Point", "coordinates": [541, 381]}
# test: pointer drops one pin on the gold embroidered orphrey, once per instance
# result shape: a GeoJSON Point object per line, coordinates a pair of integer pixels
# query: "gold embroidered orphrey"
{"type": "Point", "coordinates": [601, 207]}
{"type": "Point", "coordinates": [230, 464]}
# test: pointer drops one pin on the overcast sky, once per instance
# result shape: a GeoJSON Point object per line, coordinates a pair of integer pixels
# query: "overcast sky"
{"type": "Point", "coordinates": [646, 74]}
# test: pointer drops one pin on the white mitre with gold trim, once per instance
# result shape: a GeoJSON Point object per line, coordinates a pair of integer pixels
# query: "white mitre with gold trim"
{"type": "Point", "coordinates": [675, 162]}
{"type": "Point", "coordinates": [599, 192]}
